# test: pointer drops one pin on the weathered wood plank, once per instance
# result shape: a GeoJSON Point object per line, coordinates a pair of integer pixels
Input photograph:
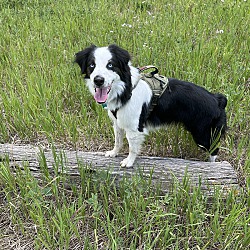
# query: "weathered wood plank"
{"type": "Point", "coordinates": [219, 174]}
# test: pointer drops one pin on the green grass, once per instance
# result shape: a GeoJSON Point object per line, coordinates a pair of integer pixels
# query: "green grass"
{"type": "Point", "coordinates": [43, 100]}
{"type": "Point", "coordinates": [93, 213]}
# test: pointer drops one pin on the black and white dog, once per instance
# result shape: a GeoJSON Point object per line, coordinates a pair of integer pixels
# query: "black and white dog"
{"type": "Point", "coordinates": [112, 80]}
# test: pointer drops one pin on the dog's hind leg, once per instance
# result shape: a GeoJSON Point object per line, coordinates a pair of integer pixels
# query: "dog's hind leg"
{"type": "Point", "coordinates": [119, 135]}
{"type": "Point", "coordinates": [203, 139]}
{"type": "Point", "coordinates": [213, 155]}
{"type": "Point", "coordinates": [212, 158]}
{"type": "Point", "coordinates": [135, 140]}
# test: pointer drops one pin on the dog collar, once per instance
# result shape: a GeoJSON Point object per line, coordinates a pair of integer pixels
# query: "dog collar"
{"type": "Point", "coordinates": [104, 105]}
{"type": "Point", "coordinates": [114, 112]}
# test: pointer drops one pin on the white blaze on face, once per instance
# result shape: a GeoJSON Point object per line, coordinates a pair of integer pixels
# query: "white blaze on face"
{"type": "Point", "coordinates": [102, 57]}
{"type": "Point", "coordinates": [102, 60]}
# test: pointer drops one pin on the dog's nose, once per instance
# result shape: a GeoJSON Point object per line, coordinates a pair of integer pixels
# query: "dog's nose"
{"type": "Point", "coordinates": [99, 81]}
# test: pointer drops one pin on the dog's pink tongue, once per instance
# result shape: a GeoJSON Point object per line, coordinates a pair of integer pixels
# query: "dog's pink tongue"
{"type": "Point", "coordinates": [101, 94]}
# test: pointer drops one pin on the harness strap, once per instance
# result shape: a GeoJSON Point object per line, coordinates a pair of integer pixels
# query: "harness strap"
{"type": "Point", "coordinates": [143, 68]}
{"type": "Point", "coordinates": [157, 83]}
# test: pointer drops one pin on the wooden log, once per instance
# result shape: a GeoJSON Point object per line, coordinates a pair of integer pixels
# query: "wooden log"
{"type": "Point", "coordinates": [220, 174]}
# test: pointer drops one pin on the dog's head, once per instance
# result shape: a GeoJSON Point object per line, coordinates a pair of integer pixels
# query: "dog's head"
{"type": "Point", "coordinates": [107, 72]}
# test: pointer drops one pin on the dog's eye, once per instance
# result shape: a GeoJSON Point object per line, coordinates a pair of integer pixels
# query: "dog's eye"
{"type": "Point", "coordinates": [110, 65]}
{"type": "Point", "coordinates": [92, 65]}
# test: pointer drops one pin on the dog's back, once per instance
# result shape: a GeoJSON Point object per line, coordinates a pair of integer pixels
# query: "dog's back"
{"type": "Point", "coordinates": [201, 112]}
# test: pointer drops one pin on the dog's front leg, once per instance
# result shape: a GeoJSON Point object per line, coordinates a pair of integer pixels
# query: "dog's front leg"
{"type": "Point", "coordinates": [135, 140]}
{"type": "Point", "coordinates": [119, 134]}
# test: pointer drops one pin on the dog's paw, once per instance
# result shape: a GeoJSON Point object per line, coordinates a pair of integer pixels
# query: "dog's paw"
{"type": "Point", "coordinates": [111, 153]}
{"type": "Point", "coordinates": [212, 158]}
{"type": "Point", "coordinates": [126, 163]}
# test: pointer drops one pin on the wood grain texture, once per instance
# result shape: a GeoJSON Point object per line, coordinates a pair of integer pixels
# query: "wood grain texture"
{"type": "Point", "coordinates": [165, 170]}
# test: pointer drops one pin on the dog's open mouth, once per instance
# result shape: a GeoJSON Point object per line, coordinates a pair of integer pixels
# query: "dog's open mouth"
{"type": "Point", "coordinates": [101, 94]}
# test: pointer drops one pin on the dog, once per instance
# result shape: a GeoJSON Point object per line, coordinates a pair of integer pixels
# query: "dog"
{"type": "Point", "coordinates": [115, 83]}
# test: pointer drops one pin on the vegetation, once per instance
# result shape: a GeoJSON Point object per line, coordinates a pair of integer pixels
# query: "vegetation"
{"type": "Point", "coordinates": [43, 100]}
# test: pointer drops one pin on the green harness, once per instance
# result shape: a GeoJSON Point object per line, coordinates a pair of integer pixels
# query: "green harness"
{"type": "Point", "coordinates": [157, 83]}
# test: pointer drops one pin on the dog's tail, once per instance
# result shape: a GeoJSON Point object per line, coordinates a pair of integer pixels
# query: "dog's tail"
{"type": "Point", "coordinates": [221, 121]}
{"type": "Point", "coordinates": [222, 101]}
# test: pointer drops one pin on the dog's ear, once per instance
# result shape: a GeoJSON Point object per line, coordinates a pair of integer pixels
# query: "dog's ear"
{"type": "Point", "coordinates": [121, 54]}
{"type": "Point", "coordinates": [82, 57]}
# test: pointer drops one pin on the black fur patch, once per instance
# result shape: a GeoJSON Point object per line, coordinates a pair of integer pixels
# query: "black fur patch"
{"type": "Point", "coordinates": [143, 117]}
{"type": "Point", "coordinates": [120, 60]}
{"type": "Point", "coordinates": [201, 112]}
{"type": "Point", "coordinates": [84, 59]}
